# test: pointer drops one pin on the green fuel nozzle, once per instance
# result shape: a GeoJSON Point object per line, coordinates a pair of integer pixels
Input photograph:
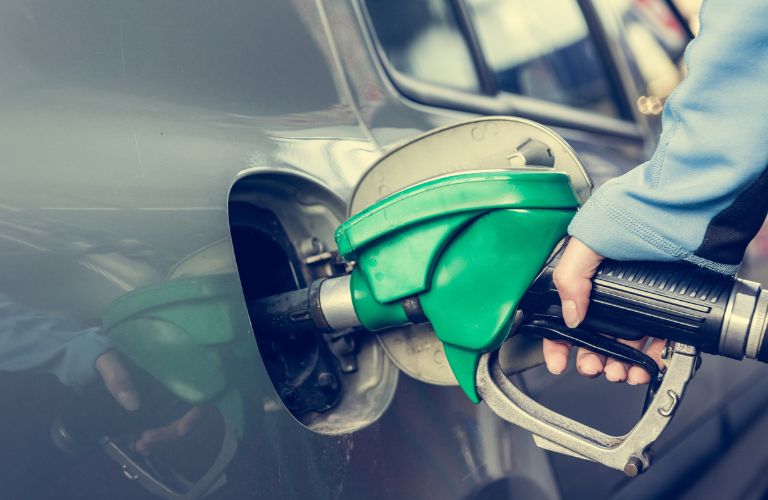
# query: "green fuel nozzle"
{"type": "Point", "coordinates": [467, 246]}
{"type": "Point", "coordinates": [464, 249]}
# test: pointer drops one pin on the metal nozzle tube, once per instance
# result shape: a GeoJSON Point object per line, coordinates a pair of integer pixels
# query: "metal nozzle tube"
{"type": "Point", "coordinates": [325, 306]}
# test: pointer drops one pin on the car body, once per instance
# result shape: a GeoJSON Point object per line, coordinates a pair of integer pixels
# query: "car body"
{"type": "Point", "coordinates": [143, 144]}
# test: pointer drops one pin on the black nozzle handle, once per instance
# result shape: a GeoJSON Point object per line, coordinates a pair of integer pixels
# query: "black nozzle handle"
{"type": "Point", "coordinates": [678, 301]}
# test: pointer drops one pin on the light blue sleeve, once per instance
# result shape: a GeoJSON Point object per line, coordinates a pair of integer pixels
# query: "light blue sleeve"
{"type": "Point", "coordinates": [696, 198]}
{"type": "Point", "coordinates": [34, 342]}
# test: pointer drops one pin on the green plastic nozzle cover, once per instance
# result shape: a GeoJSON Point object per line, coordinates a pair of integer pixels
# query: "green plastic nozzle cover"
{"type": "Point", "coordinates": [192, 335]}
{"type": "Point", "coordinates": [467, 245]}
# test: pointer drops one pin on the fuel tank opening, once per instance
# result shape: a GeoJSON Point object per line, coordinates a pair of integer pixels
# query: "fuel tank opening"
{"type": "Point", "coordinates": [282, 233]}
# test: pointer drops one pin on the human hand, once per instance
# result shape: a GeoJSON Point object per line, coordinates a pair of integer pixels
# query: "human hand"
{"type": "Point", "coordinates": [117, 380]}
{"type": "Point", "coordinates": [573, 279]}
{"type": "Point", "coordinates": [153, 441]}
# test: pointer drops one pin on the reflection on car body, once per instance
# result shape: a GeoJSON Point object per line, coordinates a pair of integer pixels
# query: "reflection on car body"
{"type": "Point", "coordinates": [163, 163]}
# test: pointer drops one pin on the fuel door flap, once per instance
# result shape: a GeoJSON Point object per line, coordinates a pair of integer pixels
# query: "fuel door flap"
{"type": "Point", "coordinates": [489, 144]}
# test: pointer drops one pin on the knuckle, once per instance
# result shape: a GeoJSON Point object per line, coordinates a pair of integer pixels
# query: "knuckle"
{"type": "Point", "coordinates": [653, 351]}
{"type": "Point", "coordinates": [560, 278]}
{"type": "Point", "coordinates": [617, 363]}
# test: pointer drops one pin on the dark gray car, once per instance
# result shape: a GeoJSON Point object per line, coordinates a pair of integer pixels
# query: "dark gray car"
{"type": "Point", "coordinates": [165, 163]}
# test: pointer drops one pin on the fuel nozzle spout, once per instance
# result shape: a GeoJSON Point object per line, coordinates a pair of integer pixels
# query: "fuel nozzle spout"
{"type": "Point", "coordinates": [325, 306]}
{"type": "Point", "coordinates": [330, 305]}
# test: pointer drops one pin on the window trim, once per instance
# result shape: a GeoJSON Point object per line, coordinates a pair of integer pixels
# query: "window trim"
{"type": "Point", "coordinates": [488, 82]}
{"type": "Point", "coordinates": [500, 103]}
{"type": "Point", "coordinates": [600, 38]}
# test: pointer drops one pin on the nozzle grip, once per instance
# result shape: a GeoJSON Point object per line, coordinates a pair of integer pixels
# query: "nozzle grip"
{"type": "Point", "coordinates": [678, 301]}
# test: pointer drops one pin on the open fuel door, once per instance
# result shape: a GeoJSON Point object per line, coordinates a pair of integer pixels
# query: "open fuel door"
{"type": "Point", "coordinates": [489, 144]}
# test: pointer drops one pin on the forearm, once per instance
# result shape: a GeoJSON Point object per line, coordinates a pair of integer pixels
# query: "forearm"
{"type": "Point", "coordinates": [699, 198]}
{"type": "Point", "coordinates": [31, 341]}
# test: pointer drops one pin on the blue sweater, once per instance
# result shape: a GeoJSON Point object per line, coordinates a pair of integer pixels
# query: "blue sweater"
{"type": "Point", "coordinates": [704, 193]}
{"type": "Point", "coordinates": [35, 342]}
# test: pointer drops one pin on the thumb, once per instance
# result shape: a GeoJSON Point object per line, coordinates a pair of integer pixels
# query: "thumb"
{"type": "Point", "coordinates": [117, 380]}
{"type": "Point", "coordinates": [572, 277]}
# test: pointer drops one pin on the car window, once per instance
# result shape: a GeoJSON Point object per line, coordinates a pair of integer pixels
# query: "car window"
{"type": "Point", "coordinates": [653, 42]}
{"type": "Point", "coordinates": [543, 49]}
{"type": "Point", "coordinates": [422, 39]}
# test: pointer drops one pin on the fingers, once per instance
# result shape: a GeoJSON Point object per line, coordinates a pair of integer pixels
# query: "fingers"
{"type": "Point", "coordinates": [153, 439]}
{"type": "Point", "coordinates": [117, 380]}
{"type": "Point", "coordinates": [618, 371]}
{"type": "Point", "coordinates": [637, 375]}
{"type": "Point", "coordinates": [591, 365]}
{"type": "Point", "coordinates": [588, 363]}
{"type": "Point", "coordinates": [556, 356]}
{"type": "Point", "coordinates": [572, 277]}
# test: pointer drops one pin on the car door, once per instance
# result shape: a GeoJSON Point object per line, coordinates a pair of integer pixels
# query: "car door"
{"type": "Point", "coordinates": [598, 72]}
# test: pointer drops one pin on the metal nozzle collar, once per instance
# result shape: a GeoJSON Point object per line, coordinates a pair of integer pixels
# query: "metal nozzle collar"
{"type": "Point", "coordinates": [336, 303]}
{"type": "Point", "coordinates": [757, 329]}
{"type": "Point", "coordinates": [738, 320]}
